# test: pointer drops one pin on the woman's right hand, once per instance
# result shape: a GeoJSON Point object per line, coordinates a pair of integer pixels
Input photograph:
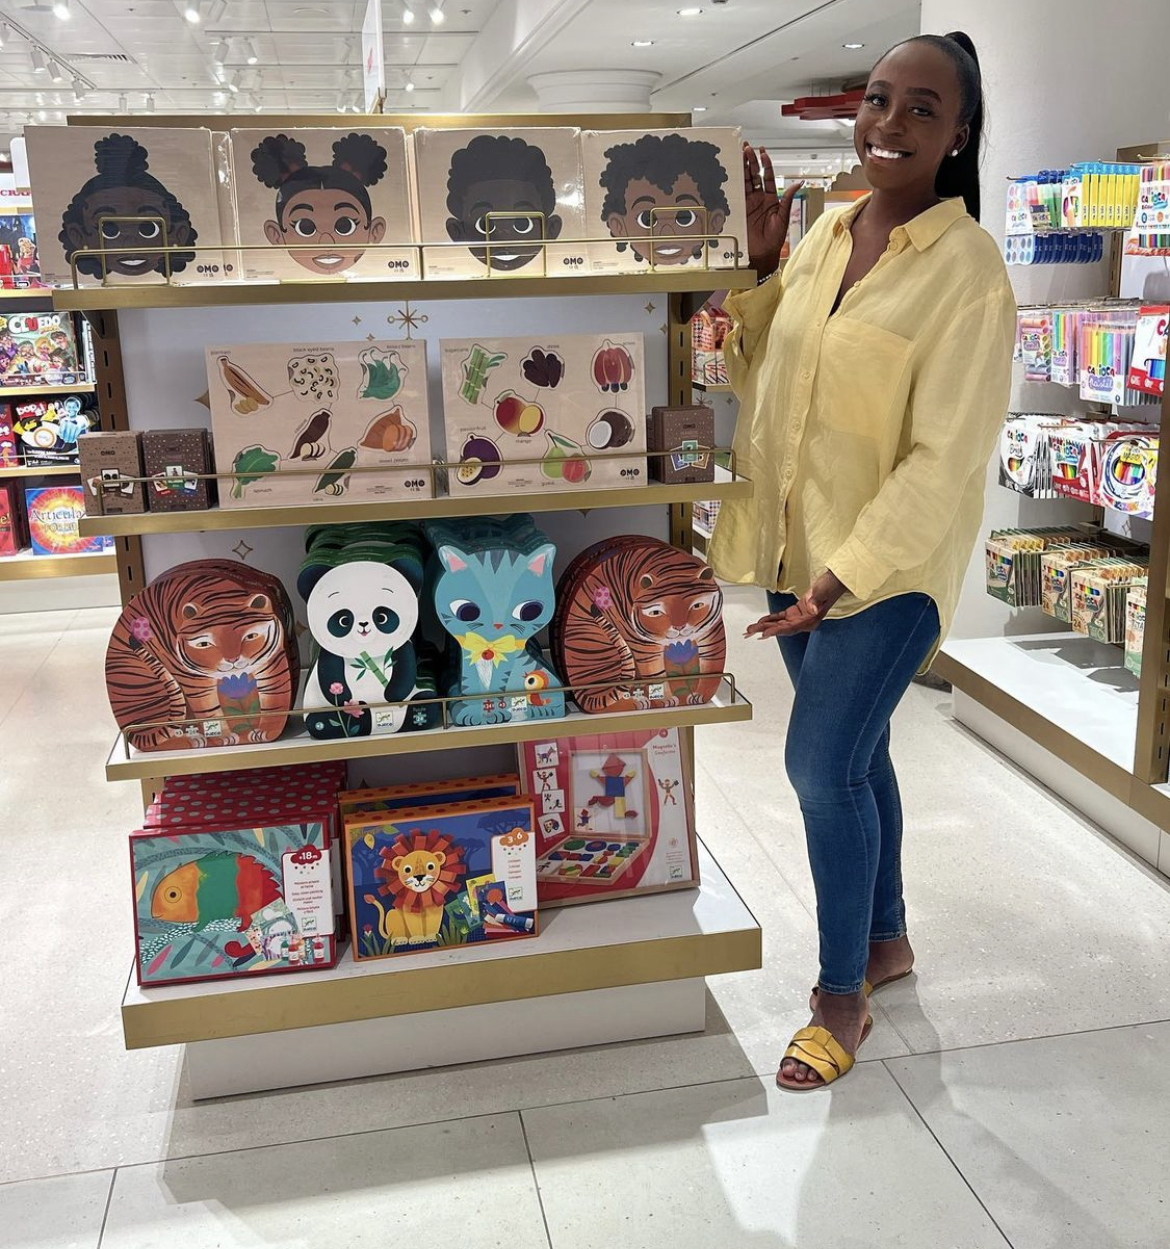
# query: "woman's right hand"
{"type": "Point", "coordinates": [768, 215]}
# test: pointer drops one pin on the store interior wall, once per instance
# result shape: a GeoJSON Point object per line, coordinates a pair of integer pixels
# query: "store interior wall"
{"type": "Point", "coordinates": [1057, 92]}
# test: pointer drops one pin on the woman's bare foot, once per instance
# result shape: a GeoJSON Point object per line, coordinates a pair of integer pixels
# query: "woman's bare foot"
{"type": "Point", "coordinates": [844, 1015]}
{"type": "Point", "coordinates": [889, 959]}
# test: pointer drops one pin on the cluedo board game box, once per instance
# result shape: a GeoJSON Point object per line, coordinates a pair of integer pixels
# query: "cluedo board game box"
{"type": "Point", "coordinates": [313, 201]}
{"type": "Point", "coordinates": [421, 878]}
{"type": "Point", "coordinates": [507, 188]}
{"type": "Point", "coordinates": [210, 904]}
{"type": "Point", "coordinates": [614, 816]}
{"type": "Point", "coordinates": [38, 349]}
{"type": "Point", "coordinates": [574, 405]}
{"type": "Point", "coordinates": [679, 188]}
{"type": "Point", "coordinates": [296, 421]}
{"type": "Point", "coordinates": [128, 191]}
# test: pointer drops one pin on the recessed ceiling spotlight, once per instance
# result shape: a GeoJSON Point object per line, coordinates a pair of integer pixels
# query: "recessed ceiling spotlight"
{"type": "Point", "coordinates": [643, 43]}
{"type": "Point", "coordinates": [192, 14]}
{"type": "Point", "coordinates": [699, 108]}
{"type": "Point", "coordinates": [38, 61]}
{"type": "Point", "coordinates": [689, 12]}
{"type": "Point", "coordinates": [61, 10]}
{"type": "Point", "coordinates": [853, 47]}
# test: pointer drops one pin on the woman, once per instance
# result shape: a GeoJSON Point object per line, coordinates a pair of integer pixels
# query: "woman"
{"type": "Point", "coordinates": [874, 376]}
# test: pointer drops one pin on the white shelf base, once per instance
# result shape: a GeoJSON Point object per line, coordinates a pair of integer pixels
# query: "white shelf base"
{"type": "Point", "coordinates": [444, 1038]}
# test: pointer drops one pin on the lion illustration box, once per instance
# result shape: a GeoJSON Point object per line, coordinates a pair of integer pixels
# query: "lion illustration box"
{"type": "Point", "coordinates": [318, 199]}
{"type": "Point", "coordinates": [302, 423]}
{"type": "Point", "coordinates": [129, 191]}
{"type": "Point", "coordinates": [680, 186]}
{"type": "Point", "coordinates": [211, 904]}
{"type": "Point", "coordinates": [614, 816]}
{"type": "Point", "coordinates": [424, 878]}
{"type": "Point", "coordinates": [501, 195]}
{"type": "Point", "coordinates": [575, 406]}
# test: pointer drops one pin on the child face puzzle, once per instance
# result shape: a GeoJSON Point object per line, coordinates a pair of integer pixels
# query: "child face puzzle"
{"type": "Point", "coordinates": [614, 816]}
{"type": "Point", "coordinates": [320, 198]}
{"type": "Point", "coordinates": [322, 409]}
{"type": "Point", "coordinates": [130, 191]}
{"type": "Point", "coordinates": [499, 193]}
{"type": "Point", "coordinates": [678, 186]}
{"type": "Point", "coordinates": [431, 877]}
{"type": "Point", "coordinates": [562, 401]}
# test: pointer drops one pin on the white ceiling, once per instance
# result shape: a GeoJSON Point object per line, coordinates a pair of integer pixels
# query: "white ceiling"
{"type": "Point", "coordinates": [739, 59]}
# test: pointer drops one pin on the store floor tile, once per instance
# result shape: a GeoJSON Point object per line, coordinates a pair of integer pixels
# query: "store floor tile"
{"type": "Point", "coordinates": [741, 1164]}
{"type": "Point", "coordinates": [468, 1183]}
{"type": "Point", "coordinates": [1065, 1139]}
{"type": "Point", "coordinates": [65, 1212]}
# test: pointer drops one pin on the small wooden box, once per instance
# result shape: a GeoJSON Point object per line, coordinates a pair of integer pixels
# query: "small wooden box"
{"type": "Point", "coordinates": [172, 458]}
{"type": "Point", "coordinates": [687, 435]}
{"type": "Point", "coordinates": [109, 464]}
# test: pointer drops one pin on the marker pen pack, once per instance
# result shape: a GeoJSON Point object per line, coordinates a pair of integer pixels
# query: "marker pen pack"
{"type": "Point", "coordinates": [1147, 368]}
{"type": "Point", "coordinates": [1135, 626]}
{"type": "Point", "coordinates": [1056, 568]}
{"type": "Point", "coordinates": [1100, 592]}
{"type": "Point", "coordinates": [1013, 562]}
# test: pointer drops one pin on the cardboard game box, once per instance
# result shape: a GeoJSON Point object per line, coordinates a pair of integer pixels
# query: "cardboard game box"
{"type": "Point", "coordinates": [174, 460]}
{"type": "Point", "coordinates": [685, 437]}
{"type": "Point", "coordinates": [429, 793]}
{"type": "Point", "coordinates": [9, 454]}
{"type": "Point", "coordinates": [331, 192]}
{"type": "Point", "coordinates": [519, 186]}
{"type": "Point", "coordinates": [49, 429]}
{"type": "Point", "coordinates": [680, 186]}
{"type": "Point", "coordinates": [130, 191]}
{"type": "Point", "coordinates": [110, 464]}
{"type": "Point", "coordinates": [13, 537]}
{"type": "Point", "coordinates": [614, 816]}
{"type": "Point", "coordinates": [53, 516]}
{"type": "Point", "coordinates": [576, 404]}
{"type": "Point", "coordinates": [321, 410]}
{"type": "Point", "coordinates": [38, 349]}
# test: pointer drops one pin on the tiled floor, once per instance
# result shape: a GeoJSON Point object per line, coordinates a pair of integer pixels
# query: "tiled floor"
{"type": "Point", "coordinates": [1014, 1093]}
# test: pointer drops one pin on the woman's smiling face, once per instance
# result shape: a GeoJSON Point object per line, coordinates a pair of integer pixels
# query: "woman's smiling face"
{"type": "Point", "coordinates": [152, 224]}
{"type": "Point", "coordinates": [333, 222]}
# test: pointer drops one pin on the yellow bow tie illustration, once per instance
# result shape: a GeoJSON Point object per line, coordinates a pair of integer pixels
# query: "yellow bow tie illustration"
{"type": "Point", "coordinates": [482, 650]}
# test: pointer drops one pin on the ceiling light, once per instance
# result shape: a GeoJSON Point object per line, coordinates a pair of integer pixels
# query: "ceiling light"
{"type": "Point", "coordinates": [438, 17]}
{"type": "Point", "coordinates": [341, 102]}
{"type": "Point", "coordinates": [699, 108]}
{"type": "Point", "coordinates": [122, 107]}
{"type": "Point", "coordinates": [3, 33]}
{"type": "Point", "coordinates": [689, 12]}
{"type": "Point", "coordinates": [250, 52]}
{"type": "Point", "coordinates": [61, 10]}
{"type": "Point", "coordinates": [410, 84]}
{"type": "Point", "coordinates": [38, 61]}
{"type": "Point", "coordinates": [643, 43]}
{"type": "Point", "coordinates": [55, 72]}
{"type": "Point", "coordinates": [233, 83]}
{"type": "Point", "coordinates": [221, 52]}
{"type": "Point", "coordinates": [42, 115]}
{"type": "Point", "coordinates": [218, 97]}
{"type": "Point", "coordinates": [258, 107]}
{"type": "Point", "coordinates": [78, 90]}
{"type": "Point", "coordinates": [853, 47]}
{"type": "Point", "coordinates": [407, 12]}
{"type": "Point", "coordinates": [148, 102]}
{"type": "Point", "coordinates": [192, 14]}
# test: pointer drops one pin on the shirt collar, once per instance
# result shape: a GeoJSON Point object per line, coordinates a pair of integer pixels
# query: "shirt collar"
{"type": "Point", "coordinates": [923, 231]}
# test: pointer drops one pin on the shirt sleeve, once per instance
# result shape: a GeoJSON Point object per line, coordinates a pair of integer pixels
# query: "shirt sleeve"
{"type": "Point", "coordinates": [752, 312]}
{"type": "Point", "coordinates": [957, 406]}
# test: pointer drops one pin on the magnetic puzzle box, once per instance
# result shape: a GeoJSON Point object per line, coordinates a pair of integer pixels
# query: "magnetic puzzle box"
{"type": "Point", "coordinates": [315, 200]}
{"type": "Point", "coordinates": [496, 195]}
{"type": "Point", "coordinates": [614, 816]}
{"type": "Point", "coordinates": [422, 878]}
{"type": "Point", "coordinates": [321, 410]}
{"type": "Point", "coordinates": [38, 349]}
{"type": "Point", "coordinates": [575, 405]}
{"type": "Point", "coordinates": [226, 902]}
{"type": "Point", "coordinates": [668, 198]}
{"type": "Point", "coordinates": [54, 513]}
{"type": "Point", "coordinates": [130, 192]}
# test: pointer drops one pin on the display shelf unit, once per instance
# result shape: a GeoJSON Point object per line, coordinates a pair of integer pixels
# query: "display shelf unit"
{"type": "Point", "coordinates": [1099, 732]}
{"type": "Point", "coordinates": [722, 388]}
{"type": "Point", "coordinates": [633, 968]}
{"type": "Point", "coordinates": [26, 566]}
{"type": "Point", "coordinates": [31, 392]}
{"type": "Point", "coordinates": [43, 470]}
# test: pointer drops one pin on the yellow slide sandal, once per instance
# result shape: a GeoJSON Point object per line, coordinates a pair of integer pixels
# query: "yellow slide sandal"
{"type": "Point", "coordinates": [819, 1049]}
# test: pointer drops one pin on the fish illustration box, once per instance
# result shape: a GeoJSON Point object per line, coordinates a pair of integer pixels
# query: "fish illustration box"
{"type": "Point", "coordinates": [129, 191]}
{"type": "Point", "coordinates": [232, 902]}
{"type": "Point", "coordinates": [295, 421]}
{"type": "Point", "coordinates": [614, 816]}
{"type": "Point", "coordinates": [496, 195]}
{"type": "Point", "coordinates": [38, 349]}
{"type": "Point", "coordinates": [575, 406]}
{"type": "Point", "coordinates": [422, 878]}
{"type": "Point", "coordinates": [313, 202]}
{"type": "Point", "coordinates": [684, 187]}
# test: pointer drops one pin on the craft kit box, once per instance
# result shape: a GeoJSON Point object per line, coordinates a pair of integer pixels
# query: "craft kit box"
{"type": "Point", "coordinates": [314, 201]}
{"type": "Point", "coordinates": [520, 187]}
{"type": "Point", "coordinates": [38, 349]}
{"type": "Point", "coordinates": [53, 515]}
{"type": "Point", "coordinates": [614, 816]}
{"type": "Point", "coordinates": [13, 537]}
{"type": "Point", "coordinates": [232, 902]}
{"type": "Point", "coordinates": [130, 191]}
{"type": "Point", "coordinates": [48, 430]}
{"type": "Point", "coordinates": [321, 411]}
{"type": "Point", "coordinates": [684, 438]}
{"type": "Point", "coordinates": [178, 464]}
{"type": "Point", "coordinates": [111, 466]}
{"type": "Point", "coordinates": [442, 876]}
{"type": "Point", "coordinates": [668, 198]}
{"type": "Point", "coordinates": [357, 802]}
{"type": "Point", "coordinates": [575, 406]}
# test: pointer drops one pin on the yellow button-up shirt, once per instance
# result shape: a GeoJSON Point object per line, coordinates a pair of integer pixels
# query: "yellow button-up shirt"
{"type": "Point", "coordinates": [867, 432]}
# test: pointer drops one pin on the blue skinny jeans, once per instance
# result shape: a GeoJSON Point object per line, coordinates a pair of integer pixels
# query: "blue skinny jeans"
{"type": "Point", "coordinates": [849, 676]}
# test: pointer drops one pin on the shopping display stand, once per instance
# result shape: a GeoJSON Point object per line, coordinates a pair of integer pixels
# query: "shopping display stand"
{"type": "Point", "coordinates": [615, 971]}
{"type": "Point", "coordinates": [1061, 706]}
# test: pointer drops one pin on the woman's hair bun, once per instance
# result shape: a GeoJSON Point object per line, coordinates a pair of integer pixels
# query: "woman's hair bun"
{"type": "Point", "coordinates": [965, 42]}
{"type": "Point", "coordinates": [277, 158]}
{"type": "Point", "coordinates": [120, 158]}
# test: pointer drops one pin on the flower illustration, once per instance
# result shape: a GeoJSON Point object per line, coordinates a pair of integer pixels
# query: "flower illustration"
{"type": "Point", "coordinates": [140, 628]}
{"type": "Point", "coordinates": [353, 709]}
{"type": "Point", "coordinates": [367, 929]}
{"type": "Point", "coordinates": [337, 688]}
{"type": "Point", "coordinates": [681, 652]}
{"type": "Point", "coordinates": [602, 598]}
{"type": "Point", "coordinates": [237, 686]}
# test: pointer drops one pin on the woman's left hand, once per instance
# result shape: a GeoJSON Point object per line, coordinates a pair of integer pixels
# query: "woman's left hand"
{"type": "Point", "coordinates": [805, 615]}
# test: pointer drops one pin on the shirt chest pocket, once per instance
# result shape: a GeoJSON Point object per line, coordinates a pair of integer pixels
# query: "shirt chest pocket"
{"type": "Point", "coordinates": [863, 380]}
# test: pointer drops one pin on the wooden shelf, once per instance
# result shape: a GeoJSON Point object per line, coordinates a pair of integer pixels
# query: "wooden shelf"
{"type": "Point", "coordinates": [233, 294]}
{"type": "Point", "coordinates": [708, 388]}
{"type": "Point", "coordinates": [32, 392]}
{"type": "Point", "coordinates": [29, 567]}
{"type": "Point", "coordinates": [43, 470]}
{"type": "Point", "coordinates": [668, 936]}
{"type": "Point", "coordinates": [650, 495]}
{"type": "Point", "coordinates": [127, 764]}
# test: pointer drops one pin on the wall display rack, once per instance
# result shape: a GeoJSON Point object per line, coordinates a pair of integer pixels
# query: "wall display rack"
{"type": "Point", "coordinates": [634, 969]}
{"type": "Point", "coordinates": [1064, 706]}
